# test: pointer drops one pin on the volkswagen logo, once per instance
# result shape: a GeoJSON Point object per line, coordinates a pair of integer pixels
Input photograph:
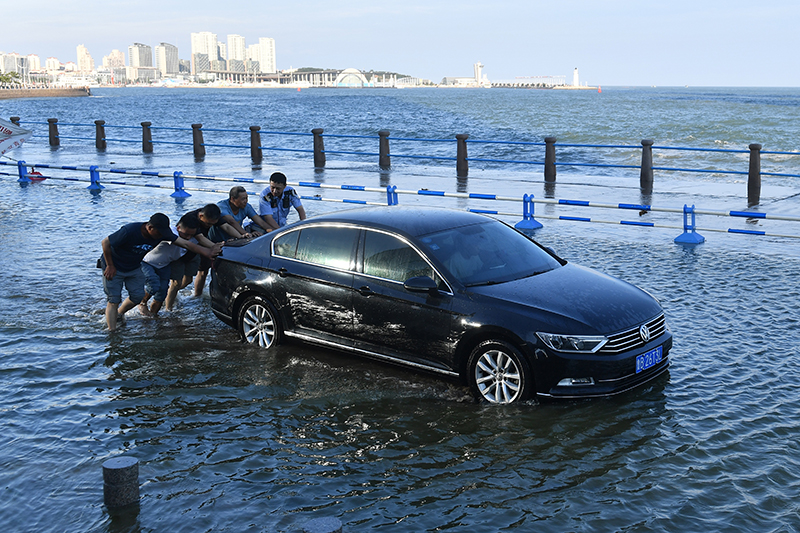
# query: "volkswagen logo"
{"type": "Point", "coordinates": [644, 333]}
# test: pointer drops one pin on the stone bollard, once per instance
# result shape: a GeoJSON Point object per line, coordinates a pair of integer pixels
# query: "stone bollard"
{"type": "Point", "coordinates": [255, 144]}
{"type": "Point", "coordinates": [646, 173]}
{"type": "Point", "coordinates": [754, 176]}
{"type": "Point", "coordinates": [197, 141]}
{"type": "Point", "coordinates": [384, 161]}
{"type": "Point", "coordinates": [326, 524]}
{"type": "Point", "coordinates": [462, 165]}
{"type": "Point", "coordinates": [100, 135]}
{"type": "Point", "coordinates": [53, 127]}
{"type": "Point", "coordinates": [550, 159]}
{"type": "Point", "coordinates": [147, 138]}
{"type": "Point", "coordinates": [319, 148]}
{"type": "Point", "coordinates": [120, 482]}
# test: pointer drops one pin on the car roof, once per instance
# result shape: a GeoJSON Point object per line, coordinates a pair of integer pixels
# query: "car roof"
{"type": "Point", "coordinates": [413, 221]}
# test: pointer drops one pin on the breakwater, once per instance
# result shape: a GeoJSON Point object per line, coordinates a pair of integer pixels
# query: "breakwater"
{"type": "Point", "coordinates": [7, 94]}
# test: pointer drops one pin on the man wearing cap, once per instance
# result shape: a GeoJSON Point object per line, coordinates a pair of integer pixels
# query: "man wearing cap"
{"type": "Point", "coordinates": [121, 261]}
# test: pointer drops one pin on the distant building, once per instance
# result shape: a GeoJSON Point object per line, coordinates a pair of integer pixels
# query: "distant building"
{"type": "Point", "coordinates": [115, 59]}
{"type": "Point", "coordinates": [85, 61]}
{"type": "Point", "coordinates": [167, 60]}
{"type": "Point", "coordinates": [575, 80]}
{"type": "Point", "coordinates": [184, 66]}
{"type": "Point", "coordinates": [237, 49]}
{"type": "Point", "coordinates": [140, 55]}
{"type": "Point", "coordinates": [477, 80]}
{"type": "Point", "coordinates": [52, 64]}
{"type": "Point", "coordinates": [34, 63]}
{"type": "Point", "coordinates": [200, 63]}
{"type": "Point", "coordinates": [236, 65]}
{"type": "Point", "coordinates": [204, 43]}
{"type": "Point", "coordinates": [222, 51]}
{"type": "Point", "coordinates": [266, 57]}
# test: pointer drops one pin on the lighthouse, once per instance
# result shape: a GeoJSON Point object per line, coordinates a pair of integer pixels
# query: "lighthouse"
{"type": "Point", "coordinates": [575, 82]}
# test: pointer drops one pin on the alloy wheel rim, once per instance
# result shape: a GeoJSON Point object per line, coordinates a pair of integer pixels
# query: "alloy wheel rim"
{"type": "Point", "coordinates": [498, 377]}
{"type": "Point", "coordinates": [258, 326]}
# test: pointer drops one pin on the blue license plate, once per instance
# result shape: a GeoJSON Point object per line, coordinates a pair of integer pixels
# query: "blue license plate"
{"type": "Point", "coordinates": [646, 360]}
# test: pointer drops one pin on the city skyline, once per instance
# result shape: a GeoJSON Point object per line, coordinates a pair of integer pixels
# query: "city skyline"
{"type": "Point", "coordinates": [732, 43]}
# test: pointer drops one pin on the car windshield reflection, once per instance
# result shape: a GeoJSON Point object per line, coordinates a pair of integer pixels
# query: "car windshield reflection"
{"type": "Point", "coordinates": [487, 253]}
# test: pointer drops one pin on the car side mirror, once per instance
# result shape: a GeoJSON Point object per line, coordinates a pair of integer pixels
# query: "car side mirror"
{"type": "Point", "coordinates": [421, 284]}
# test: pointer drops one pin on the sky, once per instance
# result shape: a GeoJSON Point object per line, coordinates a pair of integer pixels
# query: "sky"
{"type": "Point", "coordinates": [612, 43]}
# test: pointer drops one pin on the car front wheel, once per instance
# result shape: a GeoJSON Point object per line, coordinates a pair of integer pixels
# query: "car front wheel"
{"type": "Point", "coordinates": [258, 323]}
{"type": "Point", "coordinates": [498, 373]}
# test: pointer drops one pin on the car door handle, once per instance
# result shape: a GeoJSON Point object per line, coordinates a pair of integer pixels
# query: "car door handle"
{"type": "Point", "coordinates": [365, 291]}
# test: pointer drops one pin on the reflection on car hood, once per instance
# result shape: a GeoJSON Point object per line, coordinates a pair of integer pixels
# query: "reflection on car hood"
{"type": "Point", "coordinates": [579, 300]}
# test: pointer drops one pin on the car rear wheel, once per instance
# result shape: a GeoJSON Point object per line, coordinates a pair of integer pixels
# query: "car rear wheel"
{"type": "Point", "coordinates": [498, 373]}
{"type": "Point", "coordinates": [258, 323]}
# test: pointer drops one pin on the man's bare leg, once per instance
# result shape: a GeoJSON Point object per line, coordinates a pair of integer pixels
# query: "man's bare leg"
{"type": "Point", "coordinates": [200, 282]}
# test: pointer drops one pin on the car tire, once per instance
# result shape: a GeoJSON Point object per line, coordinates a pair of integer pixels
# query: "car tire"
{"type": "Point", "coordinates": [258, 323]}
{"type": "Point", "coordinates": [498, 373]}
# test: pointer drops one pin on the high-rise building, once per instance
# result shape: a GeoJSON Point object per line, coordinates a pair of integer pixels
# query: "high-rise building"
{"type": "Point", "coordinates": [34, 63]}
{"type": "Point", "coordinates": [237, 49]}
{"type": "Point", "coordinates": [116, 59]}
{"type": "Point", "coordinates": [85, 61]}
{"type": "Point", "coordinates": [267, 53]}
{"type": "Point", "coordinates": [140, 55]}
{"type": "Point", "coordinates": [222, 51]}
{"type": "Point", "coordinates": [167, 60]}
{"type": "Point", "coordinates": [52, 64]}
{"type": "Point", "coordinates": [204, 43]}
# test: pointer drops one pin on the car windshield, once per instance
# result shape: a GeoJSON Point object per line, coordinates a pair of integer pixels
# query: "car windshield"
{"type": "Point", "coordinates": [487, 253]}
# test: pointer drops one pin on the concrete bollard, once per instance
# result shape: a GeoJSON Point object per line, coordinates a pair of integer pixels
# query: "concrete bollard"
{"type": "Point", "coordinates": [384, 161]}
{"type": "Point", "coordinates": [550, 159]}
{"type": "Point", "coordinates": [53, 127]}
{"type": "Point", "coordinates": [255, 144]}
{"type": "Point", "coordinates": [15, 120]}
{"type": "Point", "coordinates": [120, 482]}
{"type": "Point", "coordinates": [462, 165]}
{"type": "Point", "coordinates": [754, 176]}
{"type": "Point", "coordinates": [646, 173]}
{"type": "Point", "coordinates": [197, 141]}
{"type": "Point", "coordinates": [319, 148]}
{"type": "Point", "coordinates": [147, 138]}
{"type": "Point", "coordinates": [327, 524]}
{"type": "Point", "coordinates": [100, 135]}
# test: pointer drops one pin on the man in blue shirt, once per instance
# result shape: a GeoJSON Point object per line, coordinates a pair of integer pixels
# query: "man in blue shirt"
{"type": "Point", "coordinates": [275, 201]}
{"type": "Point", "coordinates": [233, 211]}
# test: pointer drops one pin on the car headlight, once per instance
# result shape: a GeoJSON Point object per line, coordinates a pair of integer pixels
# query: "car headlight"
{"type": "Point", "coordinates": [573, 343]}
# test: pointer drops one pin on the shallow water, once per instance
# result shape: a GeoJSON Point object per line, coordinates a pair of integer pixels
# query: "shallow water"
{"type": "Point", "coordinates": [232, 439]}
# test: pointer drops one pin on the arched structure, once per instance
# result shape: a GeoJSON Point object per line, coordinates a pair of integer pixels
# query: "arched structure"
{"type": "Point", "coordinates": [351, 77]}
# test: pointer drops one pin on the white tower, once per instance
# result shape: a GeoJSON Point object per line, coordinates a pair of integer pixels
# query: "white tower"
{"type": "Point", "coordinates": [478, 72]}
{"type": "Point", "coordinates": [575, 81]}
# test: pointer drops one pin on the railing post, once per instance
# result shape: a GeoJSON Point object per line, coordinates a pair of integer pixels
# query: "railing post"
{"type": "Point", "coordinates": [319, 148]}
{"type": "Point", "coordinates": [22, 169]}
{"type": "Point", "coordinates": [754, 176]}
{"type": "Point", "coordinates": [689, 235]}
{"type": "Point", "coordinates": [528, 222]}
{"type": "Point", "coordinates": [100, 135]}
{"type": "Point", "coordinates": [550, 159]}
{"type": "Point", "coordinates": [94, 176]}
{"type": "Point", "coordinates": [255, 144]}
{"type": "Point", "coordinates": [147, 138]}
{"type": "Point", "coordinates": [15, 120]}
{"type": "Point", "coordinates": [179, 190]}
{"type": "Point", "coordinates": [53, 127]}
{"type": "Point", "coordinates": [646, 173]}
{"type": "Point", "coordinates": [384, 161]}
{"type": "Point", "coordinates": [462, 165]}
{"type": "Point", "coordinates": [197, 141]}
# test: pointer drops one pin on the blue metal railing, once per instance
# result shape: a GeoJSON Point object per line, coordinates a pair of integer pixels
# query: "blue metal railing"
{"type": "Point", "coordinates": [690, 233]}
{"type": "Point", "coordinates": [495, 148]}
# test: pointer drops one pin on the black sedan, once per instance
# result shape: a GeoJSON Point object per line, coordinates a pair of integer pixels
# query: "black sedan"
{"type": "Point", "coordinates": [450, 292]}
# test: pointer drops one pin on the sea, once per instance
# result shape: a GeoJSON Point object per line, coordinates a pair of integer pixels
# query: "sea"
{"type": "Point", "coordinates": [229, 438]}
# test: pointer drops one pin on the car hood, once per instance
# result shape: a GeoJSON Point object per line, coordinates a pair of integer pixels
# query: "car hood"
{"type": "Point", "coordinates": [577, 300]}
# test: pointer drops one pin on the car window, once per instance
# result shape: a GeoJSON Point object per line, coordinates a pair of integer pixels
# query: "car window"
{"type": "Point", "coordinates": [489, 252]}
{"type": "Point", "coordinates": [286, 245]}
{"type": "Point", "coordinates": [386, 256]}
{"type": "Point", "coordinates": [327, 245]}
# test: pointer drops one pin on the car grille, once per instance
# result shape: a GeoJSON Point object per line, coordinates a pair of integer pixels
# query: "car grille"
{"type": "Point", "coordinates": [630, 340]}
